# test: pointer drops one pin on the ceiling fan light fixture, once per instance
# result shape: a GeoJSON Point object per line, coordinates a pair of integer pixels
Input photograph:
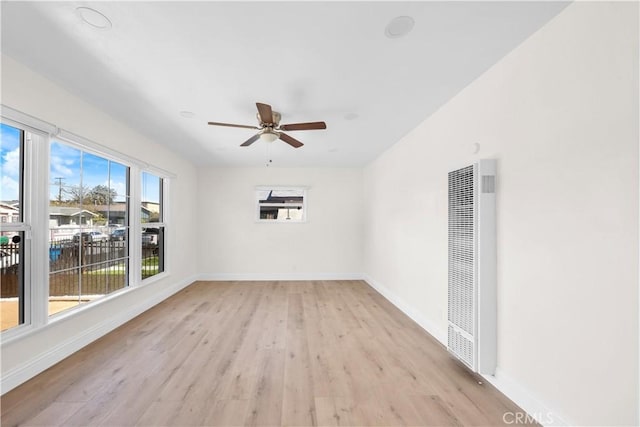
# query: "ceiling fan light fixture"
{"type": "Point", "coordinates": [268, 136]}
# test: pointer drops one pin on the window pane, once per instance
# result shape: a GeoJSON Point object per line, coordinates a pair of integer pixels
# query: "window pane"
{"type": "Point", "coordinates": [65, 175]}
{"type": "Point", "coordinates": [12, 302]}
{"type": "Point", "coordinates": [151, 209]}
{"type": "Point", "coordinates": [11, 149]}
{"type": "Point", "coordinates": [152, 251]}
{"type": "Point", "coordinates": [281, 204]}
{"type": "Point", "coordinates": [89, 227]}
{"type": "Point", "coordinates": [11, 280]}
{"type": "Point", "coordinates": [64, 290]}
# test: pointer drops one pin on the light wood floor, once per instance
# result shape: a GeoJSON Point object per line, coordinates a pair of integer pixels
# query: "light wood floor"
{"type": "Point", "coordinates": [261, 354]}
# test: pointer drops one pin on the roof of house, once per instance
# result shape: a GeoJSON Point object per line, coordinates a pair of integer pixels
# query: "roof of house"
{"type": "Point", "coordinates": [5, 208]}
{"type": "Point", "coordinates": [68, 211]}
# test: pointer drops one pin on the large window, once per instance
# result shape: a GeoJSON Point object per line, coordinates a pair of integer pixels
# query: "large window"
{"type": "Point", "coordinates": [12, 227]}
{"type": "Point", "coordinates": [78, 221]}
{"type": "Point", "coordinates": [88, 226]}
{"type": "Point", "coordinates": [152, 217]}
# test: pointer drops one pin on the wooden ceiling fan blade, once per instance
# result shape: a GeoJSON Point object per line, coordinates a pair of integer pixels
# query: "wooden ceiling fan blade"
{"type": "Point", "coordinates": [232, 125]}
{"type": "Point", "coordinates": [304, 126]}
{"type": "Point", "coordinates": [291, 141]}
{"type": "Point", "coordinates": [266, 114]}
{"type": "Point", "coordinates": [251, 140]}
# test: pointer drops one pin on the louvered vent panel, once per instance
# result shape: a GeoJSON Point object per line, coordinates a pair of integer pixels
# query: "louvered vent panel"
{"type": "Point", "coordinates": [462, 345]}
{"type": "Point", "coordinates": [461, 248]}
{"type": "Point", "coordinates": [472, 266]}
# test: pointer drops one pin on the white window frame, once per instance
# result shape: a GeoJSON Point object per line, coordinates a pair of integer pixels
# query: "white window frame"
{"type": "Point", "coordinates": [164, 210]}
{"type": "Point", "coordinates": [35, 214]}
{"type": "Point", "coordinates": [304, 205]}
{"type": "Point", "coordinates": [90, 147]}
{"type": "Point", "coordinates": [35, 255]}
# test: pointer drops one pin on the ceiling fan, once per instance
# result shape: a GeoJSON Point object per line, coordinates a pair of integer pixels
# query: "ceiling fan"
{"type": "Point", "coordinates": [271, 129]}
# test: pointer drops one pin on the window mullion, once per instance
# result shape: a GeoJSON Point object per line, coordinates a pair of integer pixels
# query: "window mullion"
{"type": "Point", "coordinates": [37, 241]}
{"type": "Point", "coordinates": [135, 230]}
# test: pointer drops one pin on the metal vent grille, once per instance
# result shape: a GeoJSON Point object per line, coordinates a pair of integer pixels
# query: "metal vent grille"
{"type": "Point", "coordinates": [461, 264]}
{"type": "Point", "coordinates": [462, 345]}
{"type": "Point", "coordinates": [461, 248]}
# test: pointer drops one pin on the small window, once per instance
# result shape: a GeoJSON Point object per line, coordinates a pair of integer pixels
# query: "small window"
{"type": "Point", "coordinates": [153, 225]}
{"type": "Point", "coordinates": [279, 204]}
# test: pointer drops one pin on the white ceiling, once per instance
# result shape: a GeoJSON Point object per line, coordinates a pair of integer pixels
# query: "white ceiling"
{"type": "Point", "coordinates": [310, 60]}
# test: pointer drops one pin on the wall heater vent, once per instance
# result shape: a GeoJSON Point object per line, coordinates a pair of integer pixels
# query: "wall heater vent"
{"type": "Point", "coordinates": [472, 266]}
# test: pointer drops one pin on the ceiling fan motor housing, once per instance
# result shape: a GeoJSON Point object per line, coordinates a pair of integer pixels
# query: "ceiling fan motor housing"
{"type": "Point", "coordinates": [275, 119]}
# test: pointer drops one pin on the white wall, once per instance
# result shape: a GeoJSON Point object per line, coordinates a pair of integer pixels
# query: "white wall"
{"type": "Point", "coordinates": [28, 92]}
{"type": "Point", "coordinates": [560, 113]}
{"type": "Point", "coordinates": [232, 245]}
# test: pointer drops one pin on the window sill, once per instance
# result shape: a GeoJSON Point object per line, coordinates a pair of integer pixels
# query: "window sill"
{"type": "Point", "coordinates": [22, 331]}
{"type": "Point", "coordinates": [153, 279]}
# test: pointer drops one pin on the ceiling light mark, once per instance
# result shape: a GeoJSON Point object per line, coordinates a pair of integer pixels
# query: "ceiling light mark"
{"type": "Point", "coordinates": [94, 18]}
{"type": "Point", "coordinates": [399, 26]}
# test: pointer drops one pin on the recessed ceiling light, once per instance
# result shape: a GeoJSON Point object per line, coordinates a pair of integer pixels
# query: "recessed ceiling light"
{"type": "Point", "coordinates": [351, 116]}
{"type": "Point", "coordinates": [399, 26]}
{"type": "Point", "coordinates": [93, 18]}
{"type": "Point", "coordinates": [187, 114]}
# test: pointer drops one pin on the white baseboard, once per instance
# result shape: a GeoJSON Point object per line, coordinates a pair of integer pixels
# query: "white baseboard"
{"type": "Point", "coordinates": [524, 399]}
{"type": "Point", "coordinates": [257, 277]}
{"type": "Point", "coordinates": [34, 365]}
{"type": "Point", "coordinates": [438, 333]}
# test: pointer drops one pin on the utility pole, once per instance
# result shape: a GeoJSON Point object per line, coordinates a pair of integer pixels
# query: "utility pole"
{"type": "Point", "coordinates": [59, 179]}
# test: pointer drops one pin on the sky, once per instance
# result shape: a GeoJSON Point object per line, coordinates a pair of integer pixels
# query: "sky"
{"type": "Point", "coordinates": [69, 168]}
{"type": "Point", "coordinates": [9, 162]}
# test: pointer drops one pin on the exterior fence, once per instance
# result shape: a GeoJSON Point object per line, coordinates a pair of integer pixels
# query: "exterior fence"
{"type": "Point", "coordinates": [77, 268]}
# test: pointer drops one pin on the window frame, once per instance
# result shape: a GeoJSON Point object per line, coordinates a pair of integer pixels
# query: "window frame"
{"type": "Point", "coordinates": [88, 147]}
{"type": "Point", "coordinates": [35, 201]}
{"type": "Point", "coordinates": [304, 205]}
{"type": "Point", "coordinates": [163, 223]}
{"type": "Point", "coordinates": [34, 182]}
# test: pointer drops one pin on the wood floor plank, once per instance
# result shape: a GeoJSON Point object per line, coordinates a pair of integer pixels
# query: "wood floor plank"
{"type": "Point", "coordinates": [328, 353]}
{"type": "Point", "coordinates": [298, 405]}
{"type": "Point", "coordinates": [265, 404]}
{"type": "Point", "coordinates": [55, 414]}
{"type": "Point", "coordinates": [227, 413]}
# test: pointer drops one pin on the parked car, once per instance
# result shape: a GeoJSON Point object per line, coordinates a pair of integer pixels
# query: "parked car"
{"type": "Point", "coordinates": [90, 236]}
{"type": "Point", "coordinates": [118, 234]}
